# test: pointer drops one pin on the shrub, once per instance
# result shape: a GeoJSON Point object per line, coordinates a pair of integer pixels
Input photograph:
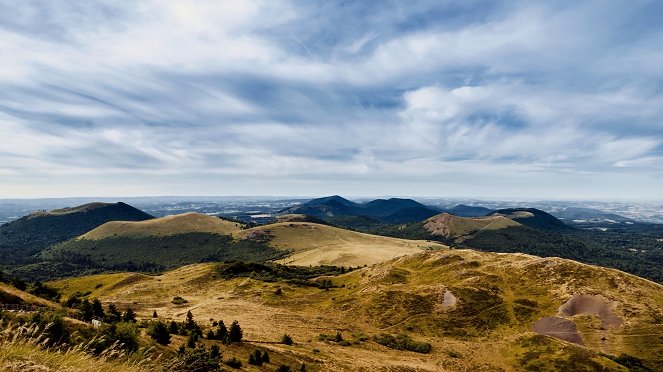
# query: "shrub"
{"type": "Point", "coordinates": [233, 363]}
{"type": "Point", "coordinates": [283, 368]}
{"type": "Point", "coordinates": [402, 342]}
{"type": "Point", "coordinates": [54, 329]}
{"type": "Point", "coordinates": [129, 315]}
{"type": "Point", "coordinates": [177, 300]}
{"type": "Point", "coordinates": [255, 358]}
{"type": "Point", "coordinates": [286, 339]}
{"type": "Point", "coordinates": [159, 333]}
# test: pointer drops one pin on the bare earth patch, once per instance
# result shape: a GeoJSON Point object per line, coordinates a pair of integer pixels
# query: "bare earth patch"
{"type": "Point", "coordinates": [557, 327]}
{"type": "Point", "coordinates": [591, 305]}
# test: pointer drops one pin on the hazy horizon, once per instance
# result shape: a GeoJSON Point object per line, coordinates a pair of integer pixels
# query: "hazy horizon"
{"type": "Point", "coordinates": [478, 99]}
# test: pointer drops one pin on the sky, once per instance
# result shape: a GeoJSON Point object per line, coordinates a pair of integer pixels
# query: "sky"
{"type": "Point", "coordinates": [504, 99]}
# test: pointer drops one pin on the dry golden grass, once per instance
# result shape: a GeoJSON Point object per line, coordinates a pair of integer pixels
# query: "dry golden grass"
{"type": "Point", "coordinates": [169, 225]}
{"type": "Point", "coordinates": [448, 225]}
{"type": "Point", "coordinates": [406, 295]}
{"type": "Point", "coordinates": [26, 297]}
{"type": "Point", "coordinates": [22, 350]}
{"type": "Point", "coordinates": [315, 244]}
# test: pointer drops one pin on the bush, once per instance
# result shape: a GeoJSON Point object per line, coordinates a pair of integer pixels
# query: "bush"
{"type": "Point", "coordinates": [233, 363]}
{"type": "Point", "coordinates": [159, 333]}
{"type": "Point", "coordinates": [255, 358]}
{"type": "Point", "coordinates": [54, 329]}
{"type": "Point", "coordinates": [402, 342]}
{"type": "Point", "coordinates": [286, 339]}
{"type": "Point", "coordinates": [124, 334]}
{"type": "Point", "coordinates": [283, 368]}
{"type": "Point", "coordinates": [129, 316]}
{"type": "Point", "coordinates": [177, 300]}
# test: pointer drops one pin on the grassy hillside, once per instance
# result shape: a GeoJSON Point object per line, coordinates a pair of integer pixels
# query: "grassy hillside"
{"type": "Point", "coordinates": [498, 233]}
{"type": "Point", "coordinates": [28, 235]}
{"type": "Point", "coordinates": [477, 311]}
{"type": "Point", "coordinates": [315, 244]}
{"type": "Point", "coordinates": [459, 228]}
{"type": "Point", "coordinates": [164, 226]}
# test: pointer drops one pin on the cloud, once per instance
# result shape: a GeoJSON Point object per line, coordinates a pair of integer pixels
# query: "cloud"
{"type": "Point", "coordinates": [427, 98]}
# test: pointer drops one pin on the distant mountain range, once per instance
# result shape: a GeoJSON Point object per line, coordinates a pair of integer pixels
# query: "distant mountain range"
{"type": "Point", "coordinates": [99, 236]}
{"type": "Point", "coordinates": [581, 215]}
{"type": "Point", "coordinates": [387, 210]}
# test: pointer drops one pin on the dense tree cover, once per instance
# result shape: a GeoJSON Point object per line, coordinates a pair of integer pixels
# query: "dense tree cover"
{"type": "Point", "coordinates": [22, 238]}
{"type": "Point", "coordinates": [137, 254]}
{"type": "Point", "coordinates": [273, 272]}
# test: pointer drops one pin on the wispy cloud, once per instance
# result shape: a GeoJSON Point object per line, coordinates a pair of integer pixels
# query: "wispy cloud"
{"type": "Point", "coordinates": [479, 98]}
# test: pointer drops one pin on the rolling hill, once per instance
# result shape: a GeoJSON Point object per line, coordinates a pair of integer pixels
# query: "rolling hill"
{"type": "Point", "coordinates": [315, 244]}
{"type": "Point", "coordinates": [172, 241]}
{"type": "Point", "coordinates": [535, 232]}
{"type": "Point", "coordinates": [334, 208]}
{"type": "Point", "coordinates": [461, 228]}
{"type": "Point", "coordinates": [534, 218]}
{"type": "Point", "coordinates": [156, 244]}
{"type": "Point", "coordinates": [28, 235]}
{"type": "Point", "coordinates": [478, 311]}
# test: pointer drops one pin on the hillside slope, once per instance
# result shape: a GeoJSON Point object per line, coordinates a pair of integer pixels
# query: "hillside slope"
{"type": "Point", "coordinates": [479, 311]}
{"type": "Point", "coordinates": [534, 218]}
{"type": "Point", "coordinates": [153, 245]}
{"type": "Point", "coordinates": [164, 226]}
{"type": "Point", "coordinates": [459, 228]}
{"type": "Point", "coordinates": [30, 234]}
{"type": "Point", "coordinates": [315, 244]}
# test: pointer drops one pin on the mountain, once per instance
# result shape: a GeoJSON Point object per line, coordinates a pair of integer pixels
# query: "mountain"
{"type": "Point", "coordinates": [463, 210]}
{"type": "Point", "coordinates": [151, 245]}
{"type": "Point", "coordinates": [36, 231]}
{"type": "Point", "coordinates": [460, 228]}
{"type": "Point", "coordinates": [334, 209]}
{"type": "Point", "coordinates": [177, 240]}
{"type": "Point", "coordinates": [507, 232]}
{"type": "Point", "coordinates": [534, 218]}
{"type": "Point", "coordinates": [574, 214]}
{"type": "Point", "coordinates": [434, 310]}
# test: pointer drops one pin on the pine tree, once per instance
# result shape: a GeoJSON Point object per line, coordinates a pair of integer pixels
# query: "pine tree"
{"type": "Point", "coordinates": [235, 334]}
{"type": "Point", "coordinates": [173, 328]}
{"type": "Point", "coordinates": [214, 352]}
{"type": "Point", "coordinates": [255, 358]}
{"type": "Point", "coordinates": [191, 341]}
{"type": "Point", "coordinates": [159, 333]}
{"type": "Point", "coordinates": [86, 309]}
{"type": "Point", "coordinates": [221, 331]}
{"type": "Point", "coordinates": [154, 314]}
{"type": "Point", "coordinates": [265, 357]}
{"type": "Point", "coordinates": [113, 315]}
{"type": "Point", "coordinates": [190, 323]}
{"type": "Point", "coordinates": [97, 309]}
{"type": "Point", "coordinates": [129, 316]}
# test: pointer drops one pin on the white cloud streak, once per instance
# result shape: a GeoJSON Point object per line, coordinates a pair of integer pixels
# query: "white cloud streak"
{"type": "Point", "coordinates": [209, 96]}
